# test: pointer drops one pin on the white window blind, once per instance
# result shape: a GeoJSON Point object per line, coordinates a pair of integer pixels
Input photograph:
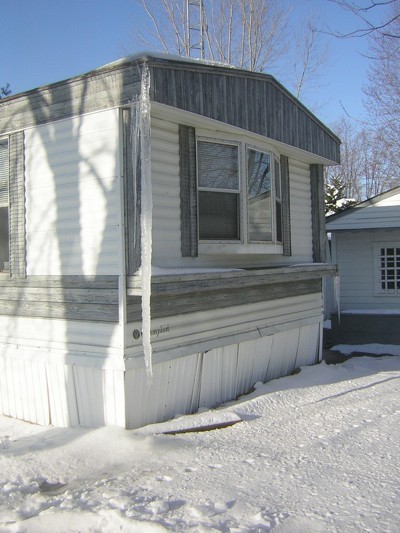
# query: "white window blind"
{"type": "Point", "coordinates": [3, 173]}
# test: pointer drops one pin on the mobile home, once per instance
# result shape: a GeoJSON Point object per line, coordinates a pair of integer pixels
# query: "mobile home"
{"type": "Point", "coordinates": [162, 241]}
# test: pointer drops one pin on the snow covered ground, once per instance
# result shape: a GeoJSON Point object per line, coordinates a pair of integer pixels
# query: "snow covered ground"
{"type": "Point", "coordinates": [314, 452]}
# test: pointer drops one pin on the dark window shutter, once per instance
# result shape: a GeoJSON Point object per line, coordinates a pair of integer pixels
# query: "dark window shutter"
{"type": "Point", "coordinates": [318, 213]}
{"type": "Point", "coordinates": [285, 184]}
{"type": "Point", "coordinates": [188, 183]}
{"type": "Point", "coordinates": [17, 206]}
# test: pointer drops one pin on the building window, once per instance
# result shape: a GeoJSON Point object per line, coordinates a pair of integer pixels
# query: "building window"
{"type": "Point", "coordinates": [218, 190]}
{"type": "Point", "coordinates": [239, 193]}
{"type": "Point", "coordinates": [388, 268]}
{"type": "Point", "coordinates": [4, 225]}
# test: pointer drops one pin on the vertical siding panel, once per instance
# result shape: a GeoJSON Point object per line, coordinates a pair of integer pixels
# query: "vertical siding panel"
{"type": "Point", "coordinates": [114, 398]}
{"type": "Point", "coordinates": [62, 396]}
{"type": "Point", "coordinates": [145, 403]}
{"type": "Point", "coordinates": [307, 352]}
{"type": "Point", "coordinates": [182, 385]}
{"type": "Point", "coordinates": [90, 396]}
{"type": "Point", "coordinates": [284, 348]}
{"type": "Point", "coordinates": [219, 375]}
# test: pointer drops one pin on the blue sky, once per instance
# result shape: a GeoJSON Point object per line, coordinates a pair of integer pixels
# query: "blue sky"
{"type": "Point", "coordinates": [44, 41]}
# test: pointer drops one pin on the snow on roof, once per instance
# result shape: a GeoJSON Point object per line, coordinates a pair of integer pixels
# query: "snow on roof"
{"type": "Point", "coordinates": [380, 212]}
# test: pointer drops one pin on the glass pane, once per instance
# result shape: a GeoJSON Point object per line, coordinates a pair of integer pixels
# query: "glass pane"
{"type": "Point", "coordinates": [218, 216]}
{"type": "Point", "coordinates": [4, 239]}
{"type": "Point", "coordinates": [259, 196]}
{"type": "Point", "coordinates": [218, 165]}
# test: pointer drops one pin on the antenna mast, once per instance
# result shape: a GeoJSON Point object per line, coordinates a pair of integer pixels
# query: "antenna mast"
{"type": "Point", "coordinates": [195, 24]}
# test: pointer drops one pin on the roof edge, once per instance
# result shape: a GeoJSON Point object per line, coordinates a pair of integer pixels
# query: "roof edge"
{"type": "Point", "coordinates": [160, 58]}
{"type": "Point", "coordinates": [370, 201]}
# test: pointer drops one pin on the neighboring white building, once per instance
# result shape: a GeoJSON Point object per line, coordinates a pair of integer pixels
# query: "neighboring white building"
{"type": "Point", "coordinates": [365, 245]}
{"type": "Point", "coordinates": [226, 167]}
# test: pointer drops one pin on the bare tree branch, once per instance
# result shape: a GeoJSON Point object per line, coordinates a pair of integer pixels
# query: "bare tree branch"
{"type": "Point", "coordinates": [361, 11]}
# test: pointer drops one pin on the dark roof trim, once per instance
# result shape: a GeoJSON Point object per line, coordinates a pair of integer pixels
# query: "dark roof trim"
{"type": "Point", "coordinates": [166, 60]}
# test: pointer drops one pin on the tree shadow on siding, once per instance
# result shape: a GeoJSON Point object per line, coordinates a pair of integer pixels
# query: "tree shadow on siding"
{"type": "Point", "coordinates": [78, 298]}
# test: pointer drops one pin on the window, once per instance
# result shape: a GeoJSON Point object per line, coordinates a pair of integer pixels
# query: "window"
{"type": "Point", "coordinates": [4, 229]}
{"type": "Point", "coordinates": [239, 193]}
{"type": "Point", "coordinates": [218, 190]}
{"type": "Point", "coordinates": [388, 262]}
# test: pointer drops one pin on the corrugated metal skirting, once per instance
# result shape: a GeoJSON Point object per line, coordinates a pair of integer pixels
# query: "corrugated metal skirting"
{"type": "Point", "coordinates": [208, 379]}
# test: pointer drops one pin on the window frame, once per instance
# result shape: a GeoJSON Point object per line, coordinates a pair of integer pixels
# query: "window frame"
{"type": "Point", "coordinates": [244, 244]}
{"type": "Point", "coordinates": [6, 274]}
{"type": "Point", "coordinates": [238, 191]}
{"type": "Point", "coordinates": [379, 290]}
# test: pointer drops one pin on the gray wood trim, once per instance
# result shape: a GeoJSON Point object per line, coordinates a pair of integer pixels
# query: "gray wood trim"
{"type": "Point", "coordinates": [132, 189]}
{"type": "Point", "coordinates": [286, 227]}
{"type": "Point", "coordinates": [188, 188]}
{"type": "Point", "coordinates": [265, 107]}
{"type": "Point", "coordinates": [178, 304]}
{"type": "Point", "coordinates": [78, 282]}
{"type": "Point", "coordinates": [17, 206]}
{"type": "Point", "coordinates": [65, 297]}
{"type": "Point", "coordinates": [101, 89]}
{"type": "Point", "coordinates": [209, 282]}
{"type": "Point", "coordinates": [318, 213]}
{"type": "Point", "coordinates": [252, 101]}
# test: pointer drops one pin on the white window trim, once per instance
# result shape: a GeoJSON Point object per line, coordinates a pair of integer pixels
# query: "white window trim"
{"type": "Point", "coordinates": [378, 291]}
{"type": "Point", "coordinates": [242, 245]}
{"type": "Point", "coordinates": [239, 191]}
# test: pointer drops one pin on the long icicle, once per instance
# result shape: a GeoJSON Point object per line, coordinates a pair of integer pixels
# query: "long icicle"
{"type": "Point", "coordinates": [146, 219]}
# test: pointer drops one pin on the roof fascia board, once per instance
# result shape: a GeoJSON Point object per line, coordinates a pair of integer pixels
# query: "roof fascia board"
{"type": "Point", "coordinates": [187, 118]}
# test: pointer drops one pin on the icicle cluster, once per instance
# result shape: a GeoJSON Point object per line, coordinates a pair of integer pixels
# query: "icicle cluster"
{"type": "Point", "coordinates": [141, 149]}
{"type": "Point", "coordinates": [146, 221]}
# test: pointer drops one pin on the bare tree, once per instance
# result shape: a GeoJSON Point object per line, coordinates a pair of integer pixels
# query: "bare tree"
{"type": "Point", "coordinates": [173, 35]}
{"type": "Point", "coordinates": [383, 89]}
{"type": "Point", "coordinates": [350, 172]}
{"type": "Point", "coordinates": [245, 33]}
{"type": "Point", "coordinates": [365, 169]}
{"type": "Point", "coordinates": [310, 56]}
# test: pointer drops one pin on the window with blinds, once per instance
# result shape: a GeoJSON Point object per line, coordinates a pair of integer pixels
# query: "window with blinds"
{"type": "Point", "coordinates": [4, 226]}
{"type": "Point", "coordinates": [239, 193]}
{"type": "Point", "coordinates": [218, 191]}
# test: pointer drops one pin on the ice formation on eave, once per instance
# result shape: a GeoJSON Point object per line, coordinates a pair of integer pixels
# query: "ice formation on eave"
{"type": "Point", "coordinates": [141, 152]}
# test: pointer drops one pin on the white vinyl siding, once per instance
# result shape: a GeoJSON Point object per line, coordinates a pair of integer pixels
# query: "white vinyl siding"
{"type": "Point", "coordinates": [166, 210]}
{"type": "Point", "coordinates": [216, 327]}
{"type": "Point", "coordinates": [300, 212]}
{"type": "Point", "coordinates": [166, 192]}
{"type": "Point", "coordinates": [382, 214]}
{"type": "Point", "coordinates": [354, 255]}
{"type": "Point", "coordinates": [72, 217]}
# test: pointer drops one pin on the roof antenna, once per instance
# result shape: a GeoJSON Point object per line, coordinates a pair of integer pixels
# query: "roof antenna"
{"type": "Point", "coordinates": [195, 24]}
